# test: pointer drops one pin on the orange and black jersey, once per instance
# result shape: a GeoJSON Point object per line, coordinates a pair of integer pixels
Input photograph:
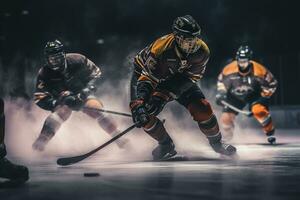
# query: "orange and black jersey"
{"type": "Point", "coordinates": [162, 59]}
{"type": "Point", "coordinates": [259, 82]}
{"type": "Point", "coordinates": [79, 71]}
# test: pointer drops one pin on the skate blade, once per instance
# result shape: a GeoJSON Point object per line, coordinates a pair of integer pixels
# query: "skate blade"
{"type": "Point", "coordinates": [168, 156]}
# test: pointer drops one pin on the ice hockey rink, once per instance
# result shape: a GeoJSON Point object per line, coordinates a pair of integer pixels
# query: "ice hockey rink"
{"type": "Point", "coordinates": [262, 172]}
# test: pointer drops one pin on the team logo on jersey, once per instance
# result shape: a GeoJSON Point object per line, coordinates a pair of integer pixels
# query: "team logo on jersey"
{"type": "Point", "coordinates": [242, 90]}
{"type": "Point", "coordinates": [183, 66]}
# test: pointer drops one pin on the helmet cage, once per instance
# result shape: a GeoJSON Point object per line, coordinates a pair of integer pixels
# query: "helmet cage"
{"type": "Point", "coordinates": [56, 60]}
{"type": "Point", "coordinates": [187, 44]}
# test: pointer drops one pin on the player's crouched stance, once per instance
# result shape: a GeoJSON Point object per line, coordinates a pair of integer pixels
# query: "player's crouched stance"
{"type": "Point", "coordinates": [243, 82]}
{"type": "Point", "coordinates": [9, 170]}
{"type": "Point", "coordinates": [166, 70]}
{"type": "Point", "coordinates": [65, 84]}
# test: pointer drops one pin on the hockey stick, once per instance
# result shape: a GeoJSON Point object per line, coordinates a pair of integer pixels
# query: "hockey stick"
{"type": "Point", "coordinates": [71, 160]}
{"type": "Point", "coordinates": [108, 111]}
{"type": "Point", "coordinates": [245, 112]}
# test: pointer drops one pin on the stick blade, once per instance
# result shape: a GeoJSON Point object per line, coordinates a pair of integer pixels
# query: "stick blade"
{"type": "Point", "coordinates": [69, 160]}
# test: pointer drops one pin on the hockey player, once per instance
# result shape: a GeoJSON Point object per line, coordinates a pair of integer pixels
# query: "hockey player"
{"type": "Point", "coordinates": [168, 69]}
{"type": "Point", "coordinates": [243, 82]}
{"type": "Point", "coordinates": [66, 83]}
{"type": "Point", "coordinates": [9, 170]}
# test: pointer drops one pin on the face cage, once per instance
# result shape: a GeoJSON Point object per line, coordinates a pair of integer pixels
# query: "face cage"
{"type": "Point", "coordinates": [187, 45]}
{"type": "Point", "coordinates": [56, 61]}
{"type": "Point", "coordinates": [243, 63]}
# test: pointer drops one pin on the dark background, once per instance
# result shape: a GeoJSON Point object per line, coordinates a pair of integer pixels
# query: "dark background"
{"type": "Point", "coordinates": [111, 32]}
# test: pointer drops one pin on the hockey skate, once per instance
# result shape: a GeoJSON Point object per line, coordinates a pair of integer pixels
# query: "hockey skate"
{"type": "Point", "coordinates": [220, 147]}
{"type": "Point", "coordinates": [271, 139]}
{"type": "Point", "coordinates": [13, 172]}
{"type": "Point", "coordinates": [164, 151]}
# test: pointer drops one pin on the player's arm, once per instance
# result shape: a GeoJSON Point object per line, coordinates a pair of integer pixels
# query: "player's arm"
{"type": "Point", "coordinates": [93, 70]}
{"type": "Point", "coordinates": [222, 88]}
{"type": "Point", "coordinates": [268, 85]}
{"type": "Point", "coordinates": [268, 88]}
{"type": "Point", "coordinates": [42, 97]}
{"type": "Point", "coordinates": [92, 73]}
{"type": "Point", "coordinates": [142, 85]}
{"type": "Point", "coordinates": [143, 78]}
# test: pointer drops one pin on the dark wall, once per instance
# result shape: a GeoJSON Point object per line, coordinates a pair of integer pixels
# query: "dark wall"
{"type": "Point", "coordinates": [110, 32]}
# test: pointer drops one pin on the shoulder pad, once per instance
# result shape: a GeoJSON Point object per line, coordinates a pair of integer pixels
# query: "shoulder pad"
{"type": "Point", "coordinates": [75, 57]}
{"type": "Point", "coordinates": [259, 69]}
{"type": "Point", "coordinates": [161, 44]}
{"type": "Point", "coordinates": [203, 45]}
{"type": "Point", "coordinates": [231, 68]}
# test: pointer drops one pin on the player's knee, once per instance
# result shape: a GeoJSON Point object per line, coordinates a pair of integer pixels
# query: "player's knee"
{"type": "Point", "coordinates": [262, 115]}
{"type": "Point", "coordinates": [93, 103]}
{"type": "Point", "coordinates": [202, 113]}
{"type": "Point", "coordinates": [200, 110]}
{"type": "Point", "coordinates": [63, 113]}
{"type": "Point", "coordinates": [91, 106]}
{"type": "Point", "coordinates": [259, 111]}
{"type": "Point", "coordinates": [227, 118]}
{"type": "Point", "coordinates": [53, 123]}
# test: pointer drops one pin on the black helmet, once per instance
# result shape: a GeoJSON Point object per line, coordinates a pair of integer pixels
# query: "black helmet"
{"type": "Point", "coordinates": [187, 26]}
{"type": "Point", "coordinates": [186, 31]}
{"type": "Point", "coordinates": [55, 55]}
{"type": "Point", "coordinates": [244, 52]}
{"type": "Point", "coordinates": [243, 57]}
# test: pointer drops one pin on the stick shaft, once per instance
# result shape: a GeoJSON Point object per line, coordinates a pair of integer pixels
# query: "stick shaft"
{"type": "Point", "coordinates": [248, 113]}
{"type": "Point", "coordinates": [108, 111]}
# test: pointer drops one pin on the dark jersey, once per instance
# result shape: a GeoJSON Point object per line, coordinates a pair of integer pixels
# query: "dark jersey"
{"type": "Point", "coordinates": [162, 60]}
{"type": "Point", "coordinates": [79, 71]}
{"type": "Point", "coordinates": [246, 88]}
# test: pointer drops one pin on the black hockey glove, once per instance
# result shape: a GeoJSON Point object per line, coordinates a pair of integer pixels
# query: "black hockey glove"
{"type": "Point", "coordinates": [140, 115]}
{"type": "Point", "coordinates": [48, 103]}
{"type": "Point", "coordinates": [86, 92]}
{"type": "Point", "coordinates": [72, 101]}
{"type": "Point", "coordinates": [220, 97]}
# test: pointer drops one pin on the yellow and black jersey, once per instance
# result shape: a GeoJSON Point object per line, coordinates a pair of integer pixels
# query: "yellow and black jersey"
{"type": "Point", "coordinates": [258, 82]}
{"type": "Point", "coordinates": [79, 71]}
{"type": "Point", "coordinates": [162, 59]}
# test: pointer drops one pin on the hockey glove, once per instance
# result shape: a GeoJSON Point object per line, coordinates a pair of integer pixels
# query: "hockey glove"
{"type": "Point", "coordinates": [140, 115]}
{"type": "Point", "coordinates": [220, 97]}
{"type": "Point", "coordinates": [71, 100]}
{"type": "Point", "coordinates": [86, 92]}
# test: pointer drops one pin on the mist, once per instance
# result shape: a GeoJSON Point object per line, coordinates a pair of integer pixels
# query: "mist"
{"type": "Point", "coordinates": [80, 133]}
